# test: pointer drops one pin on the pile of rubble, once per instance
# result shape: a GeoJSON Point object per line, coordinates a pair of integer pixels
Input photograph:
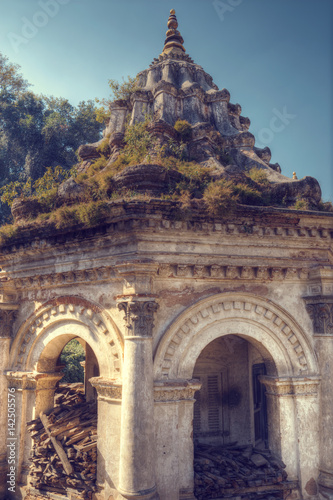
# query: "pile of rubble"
{"type": "Point", "coordinates": [238, 472]}
{"type": "Point", "coordinates": [64, 452]}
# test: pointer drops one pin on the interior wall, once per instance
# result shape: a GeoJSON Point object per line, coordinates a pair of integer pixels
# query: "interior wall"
{"type": "Point", "coordinates": [223, 369]}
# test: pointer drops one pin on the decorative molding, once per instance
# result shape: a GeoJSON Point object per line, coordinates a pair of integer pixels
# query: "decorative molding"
{"type": "Point", "coordinates": [74, 308]}
{"type": "Point", "coordinates": [242, 307]}
{"type": "Point", "coordinates": [139, 316]}
{"type": "Point", "coordinates": [51, 280]}
{"type": "Point", "coordinates": [291, 386]}
{"type": "Point", "coordinates": [7, 318]}
{"type": "Point", "coordinates": [107, 389]}
{"type": "Point", "coordinates": [224, 272]}
{"type": "Point", "coordinates": [320, 310]}
{"type": "Point", "coordinates": [175, 390]}
{"type": "Point", "coordinates": [144, 221]}
{"type": "Point", "coordinates": [21, 380]}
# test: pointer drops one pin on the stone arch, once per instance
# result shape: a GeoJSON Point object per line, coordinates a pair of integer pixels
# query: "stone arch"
{"type": "Point", "coordinates": [273, 331]}
{"type": "Point", "coordinates": [49, 328]}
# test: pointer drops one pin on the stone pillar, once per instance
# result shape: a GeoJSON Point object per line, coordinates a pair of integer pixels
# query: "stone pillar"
{"type": "Point", "coordinates": [137, 447]}
{"type": "Point", "coordinates": [45, 389]}
{"type": "Point", "coordinates": [320, 309]}
{"type": "Point", "coordinates": [174, 401]}
{"type": "Point", "coordinates": [90, 370]}
{"type": "Point", "coordinates": [24, 384]}
{"type": "Point", "coordinates": [7, 317]}
{"type": "Point", "coordinates": [108, 434]}
{"type": "Point", "coordinates": [293, 419]}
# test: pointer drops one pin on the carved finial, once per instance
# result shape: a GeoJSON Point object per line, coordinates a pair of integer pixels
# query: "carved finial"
{"type": "Point", "coordinates": [295, 176]}
{"type": "Point", "coordinates": [174, 40]}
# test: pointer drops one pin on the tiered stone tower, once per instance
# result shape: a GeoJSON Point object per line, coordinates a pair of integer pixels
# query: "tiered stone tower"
{"type": "Point", "coordinates": [175, 88]}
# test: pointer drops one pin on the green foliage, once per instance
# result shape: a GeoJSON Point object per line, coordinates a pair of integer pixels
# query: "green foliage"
{"type": "Point", "coordinates": [44, 189]}
{"type": "Point", "coordinates": [301, 204]}
{"type": "Point", "coordinates": [124, 89]}
{"type": "Point", "coordinates": [37, 131]}
{"type": "Point", "coordinates": [71, 356]}
{"type": "Point", "coordinates": [7, 232]}
{"type": "Point", "coordinates": [15, 189]}
{"type": "Point", "coordinates": [184, 128]}
{"type": "Point", "coordinates": [248, 195]}
{"type": "Point", "coordinates": [119, 90]}
{"type": "Point", "coordinates": [220, 198]}
{"type": "Point", "coordinates": [258, 175]}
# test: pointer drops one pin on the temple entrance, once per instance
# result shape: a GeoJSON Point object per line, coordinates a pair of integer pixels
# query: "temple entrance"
{"type": "Point", "coordinates": [64, 434]}
{"type": "Point", "coordinates": [231, 404]}
{"type": "Point", "coordinates": [230, 424]}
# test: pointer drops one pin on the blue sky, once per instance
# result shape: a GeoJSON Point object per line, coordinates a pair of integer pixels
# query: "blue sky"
{"type": "Point", "coordinates": [274, 57]}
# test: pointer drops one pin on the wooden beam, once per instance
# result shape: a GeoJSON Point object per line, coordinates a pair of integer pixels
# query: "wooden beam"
{"type": "Point", "coordinates": [57, 446]}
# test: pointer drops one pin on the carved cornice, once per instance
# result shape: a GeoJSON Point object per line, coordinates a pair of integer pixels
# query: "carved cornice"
{"type": "Point", "coordinates": [291, 386]}
{"type": "Point", "coordinates": [172, 270]}
{"type": "Point", "coordinates": [107, 389]}
{"type": "Point", "coordinates": [139, 316]}
{"type": "Point", "coordinates": [229, 272]}
{"type": "Point", "coordinates": [149, 217]}
{"type": "Point", "coordinates": [320, 310]}
{"type": "Point", "coordinates": [177, 390]}
{"type": "Point", "coordinates": [69, 278]}
{"type": "Point", "coordinates": [22, 380]}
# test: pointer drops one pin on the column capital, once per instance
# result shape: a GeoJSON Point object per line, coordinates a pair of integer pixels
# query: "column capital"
{"type": "Point", "coordinates": [107, 389]}
{"type": "Point", "coordinates": [291, 386]}
{"type": "Point", "coordinates": [175, 390]}
{"type": "Point", "coordinates": [139, 315]}
{"type": "Point", "coordinates": [22, 380]}
{"type": "Point", "coordinates": [320, 310]}
{"type": "Point", "coordinates": [137, 276]}
{"type": "Point", "coordinates": [8, 313]}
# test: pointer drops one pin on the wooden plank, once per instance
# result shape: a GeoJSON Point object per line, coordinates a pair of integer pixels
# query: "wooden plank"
{"type": "Point", "coordinates": [57, 446]}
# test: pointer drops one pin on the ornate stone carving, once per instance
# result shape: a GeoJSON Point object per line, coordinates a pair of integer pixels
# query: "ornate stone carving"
{"type": "Point", "coordinates": [22, 380]}
{"type": "Point", "coordinates": [7, 318]}
{"type": "Point", "coordinates": [139, 317]}
{"type": "Point", "coordinates": [320, 310]}
{"type": "Point", "coordinates": [175, 390]}
{"type": "Point", "coordinates": [291, 386]}
{"type": "Point", "coordinates": [110, 390]}
{"type": "Point", "coordinates": [74, 308]}
{"type": "Point", "coordinates": [233, 307]}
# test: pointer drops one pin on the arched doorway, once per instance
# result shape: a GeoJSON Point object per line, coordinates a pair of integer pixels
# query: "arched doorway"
{"type": "Point", "coordinates": [34, 356]}
{"type": "Point", "coordinates": [292, 376]}
{"type": "Point", "coordinates": [231, 404]}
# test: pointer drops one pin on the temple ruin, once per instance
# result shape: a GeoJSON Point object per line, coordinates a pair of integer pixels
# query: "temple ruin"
{"type": "Point", "coordinates": [208, 338]}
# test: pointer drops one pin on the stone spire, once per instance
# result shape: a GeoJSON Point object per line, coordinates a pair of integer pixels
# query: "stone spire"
{"type": "Point", "coordinates": [174, 40]}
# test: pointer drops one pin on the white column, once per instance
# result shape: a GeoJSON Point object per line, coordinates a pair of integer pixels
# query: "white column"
{"type": "Point", "coordinates": [137, 446]}
{"type": "Point", "coordinates": [320, 309]}
{"type": "Point", "coordinates": [293, 422]}
{"type": "Point", "coordinates": [174, 401]}
{"type": "Point", "coordinates": [108, 434]}
{"type": "Point", "coordinates": [24, 384]}
{"type": "Point", "coordinates": [7, 317]}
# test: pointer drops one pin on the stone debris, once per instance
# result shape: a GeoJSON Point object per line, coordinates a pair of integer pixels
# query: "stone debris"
{"type": "Point", "coordinates": [64, 451]}
{"type": "Point", "coordinates": [238, 473]}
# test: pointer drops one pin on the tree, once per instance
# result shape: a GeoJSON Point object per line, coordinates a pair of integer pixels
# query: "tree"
{"type": "Point", "coordinates": [71, 356]}
{"type": "Point", "coordinates": [37, 131]}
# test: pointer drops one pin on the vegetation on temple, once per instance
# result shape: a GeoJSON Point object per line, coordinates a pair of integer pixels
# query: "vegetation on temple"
{"type": "Point", "coordinates": [39, 137]}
